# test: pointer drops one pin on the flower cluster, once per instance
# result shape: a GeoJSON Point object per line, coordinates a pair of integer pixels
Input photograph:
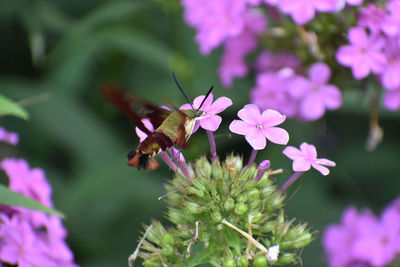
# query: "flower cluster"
{"type": "Point", "coordinates": [374, 48]}
{"type": "Point", "coordinates": [28, 237]}
{"type": "Point", "coordinates": [238, 27]}
{"type": "Point", "coordinates": [362, 239]}
{"type": "Point", "coordinates": [232, 212]}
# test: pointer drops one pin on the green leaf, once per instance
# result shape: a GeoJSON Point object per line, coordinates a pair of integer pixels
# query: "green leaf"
{"type": "Point", "coordinates": [12, 198]}
{"type": "Point", "coordinates": [9, 107]}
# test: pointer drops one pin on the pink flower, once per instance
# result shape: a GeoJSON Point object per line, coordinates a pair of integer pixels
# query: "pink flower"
{"type": "Point", "coordinates": [256, 126]}
{"type": "Point", "coordinates": [236, 48]}
{"type": "Point", "coordinates": [314, 93]}
{"type": "Point", "coordinates": [372, 18]}
{"type": "Point", "coordinates": [390, 75]}
{"type": "Point", "coordinates": [306, 157]}
{"type": "Point", "coordinates": [271, 92]}
{"type": "Point", "coordinates": [20, 244]}
{"type": "Point", "coordinates": [302, 11]}
{"type": "Point", "coordinates": [391, 100]}
{"type": "Point", "coordinates": [214, 20]}
{"type": "Point", "coordinates": [210, 120]}
{"type": "Point", "coordinates": [8, 137]}
{"type": "Point", "coordinates": [391, 23]}
{"type": "Point", "coordinates": [268, 61]}
{"type": "Point", "coordinates": [29, 182]}
{"type": "Point", "coordinates": [338, 239]}
{"type": "Point", "coordinates": [364, 54]}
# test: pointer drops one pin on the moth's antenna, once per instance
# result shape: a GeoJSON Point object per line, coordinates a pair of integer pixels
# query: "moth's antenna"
{"type": "Point", "coordinates": [180, 88]}
{"type": "Point", "coordinates": [208, 93]}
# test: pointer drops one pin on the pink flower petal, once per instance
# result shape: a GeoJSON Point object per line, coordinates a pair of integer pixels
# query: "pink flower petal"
{"type": "Point", "coordinates": [197, 101]}
{"type": "Point", "coordinates": [292, 152]}
{"type": "Point", "coordinates": [186, 106]}
{"type": "Point", "coordinates": [276, 135]}
{"type": "Point", "coordinates": [312, 107]}
{"type": "Point", "coordinates": [309, 151]}
{"type": "Point", "coordinates": [255, 138]}
{"type": "Point", "coordinates": [240, 127]}
{"type": "Point", "coordinates": [301, 165]}
{"type": "Point", "coordinates": [320, 168]}
{"type": "Point", "coordinates": [219, 105]}
{"type": "Point", "coordinates": [319, 73]}
{"type": "Point", "coordinates": [299, 87]}
{"type": "Point", "coordinates": [272, 117]}
{"type": "Point", "coordinates": [358, 37]}
{"type": "Point", "coordinates": [331, 96]}
{"type": "Point", "coordinates": [326, 162]}
{"type": "Point", "coordinates": [360, 67]}
{"type": "Point", "coordinates": [345, 54]}
{"type": "Point", "coordinates": [250, 113]}
{"type": "Point", "coordinates": [212, 123]}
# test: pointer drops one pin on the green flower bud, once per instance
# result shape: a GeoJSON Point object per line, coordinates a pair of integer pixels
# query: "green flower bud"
{"type": "Point", "coordinates": [256, 204]}
{"type": "Point", "coordinates": [150, 263]}
{"type": "Point", "coordinates": [168, 250]}
{"type": "Point", "coordinates": [168, 239]}
{"type": "Point", "coordinates": [242, 198]}
{"type": "Point", "coordinates": [234, 164]}
{"type": "Point", "coordinates": [258, 217]}
{"type": "Point", "coordinates": [265, 181]}
{"type": "Point", "coordinates": [217, 172]}
{"type": "Point", "coordinates": [229, 204]}
{"type": "Point", "coordinates": [196, 192]}
{"type": "Point", "coordinates": [229, 262]}
{"type": "Point", "coordinates": [194, 208]}
{"type": "Point", "coordinates": [176, 217]}
{"type": "Point", "coordinates": [286, 259]}
{"type": "Point", "coordinates": [260, 261]}
{"type": "Point", "coordinates": [254, 194]}
{"type": "Point", "coordinates": [249, 174]}
{"type": "Point", "coordinates": [267, 191]}
{"type": "Point", "coordinates": [240, 208]}
{"type": "Point", "coordinates": [203, 168]}
{"type": "Point", "coordinates": [216, 217]}
{"type": "Point", "coordinates": [175, 198]}
{"type": "Point", "coordinates": [243, 262]}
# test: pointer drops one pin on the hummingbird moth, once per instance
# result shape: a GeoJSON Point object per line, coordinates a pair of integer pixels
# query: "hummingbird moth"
{"type": "Point", "coordinates": [171, 127]}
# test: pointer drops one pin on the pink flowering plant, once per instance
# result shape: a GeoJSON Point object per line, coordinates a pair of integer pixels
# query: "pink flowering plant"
{"type": "Point", "coordinates": [343, 45]}
{"type": "Point", "coordinates": [31, 231]}
{"type": "Point", "coordinates": [230, 211]}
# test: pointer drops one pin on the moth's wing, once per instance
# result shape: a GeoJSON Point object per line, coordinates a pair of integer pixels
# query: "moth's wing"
{"type": "Point", "coordinates": [135, 107]}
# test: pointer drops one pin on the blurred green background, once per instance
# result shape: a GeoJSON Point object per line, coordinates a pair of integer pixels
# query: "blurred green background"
{"type": "Point", "coordinates": [55, 55]}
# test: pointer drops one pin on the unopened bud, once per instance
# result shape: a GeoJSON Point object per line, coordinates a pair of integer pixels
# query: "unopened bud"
{"type": "Point", "coordinates": [150, 263]}
{"type": "Point", "coordinates": [168, 239]}
{"type": "Point", "coordinates": [243, 262]}
{"type": "Point", "coordinates": [286, 259]}
{"type": "Point", "coordinates": [240, 208]}
{"type": "Point", "coordinates": [229, 204]}
{"type": "Point", "coordinates": [260, 261]}
{"type": "Point", "coordinates": [168, 250]}
{"type": "Point", "coordinates": [229, 262]}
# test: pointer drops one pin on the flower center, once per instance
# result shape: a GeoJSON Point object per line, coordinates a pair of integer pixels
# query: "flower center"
{"type": "Point", "coordinates": [259, 126]}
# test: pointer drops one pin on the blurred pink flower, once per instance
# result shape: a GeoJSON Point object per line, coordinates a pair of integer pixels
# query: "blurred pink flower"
{"type": "Point", "coordinates": [364, 54]}
{"type": "Point", "coordinates": [8, 137]}
{"type": "Point", "coordinates": [302, 11]}
{"type": "Point", "coordinates": [338, 239]}
{"type": "Point", "coordinates": [391, 72]}
{"type": "Point", "coordinates": [19, 243]}
{"type": "Point", "coordinates": [236, 48]}
{"type": "Point", "coordinates": [214, 20]}
{"type": "Point", "coordinates": [391, 23]}
{"type": "Point", "coordinates": [371, 17]}
{"type": "Point", "coordinates": [306, 157]}
{"type": "Point", "coordinates": [391, 100]}
{"type": "Point", "coordinates": [271, 92]}
{"type": "Point", "coordinates": [315, 94]}
{"type": "Point", "coordinates": [268, 61]}
{"type": "Point", "coordinates": [142, 135]}
{"type": "Point", "coordinates": [256, 127]}
{"type": "Point", "coordinates": [210, 120]}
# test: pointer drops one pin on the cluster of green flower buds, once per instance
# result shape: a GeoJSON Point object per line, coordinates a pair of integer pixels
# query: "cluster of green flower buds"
{"type": "Point", "coordinates": [223, 218]}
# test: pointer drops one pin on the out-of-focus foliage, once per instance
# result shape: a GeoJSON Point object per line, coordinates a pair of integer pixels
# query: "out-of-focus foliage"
{"type": "Point", "coordinates": [55, 55]}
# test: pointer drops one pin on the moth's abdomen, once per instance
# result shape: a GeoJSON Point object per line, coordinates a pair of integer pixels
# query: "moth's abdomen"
{"type": "Point", "coordinates": [155, 143]}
